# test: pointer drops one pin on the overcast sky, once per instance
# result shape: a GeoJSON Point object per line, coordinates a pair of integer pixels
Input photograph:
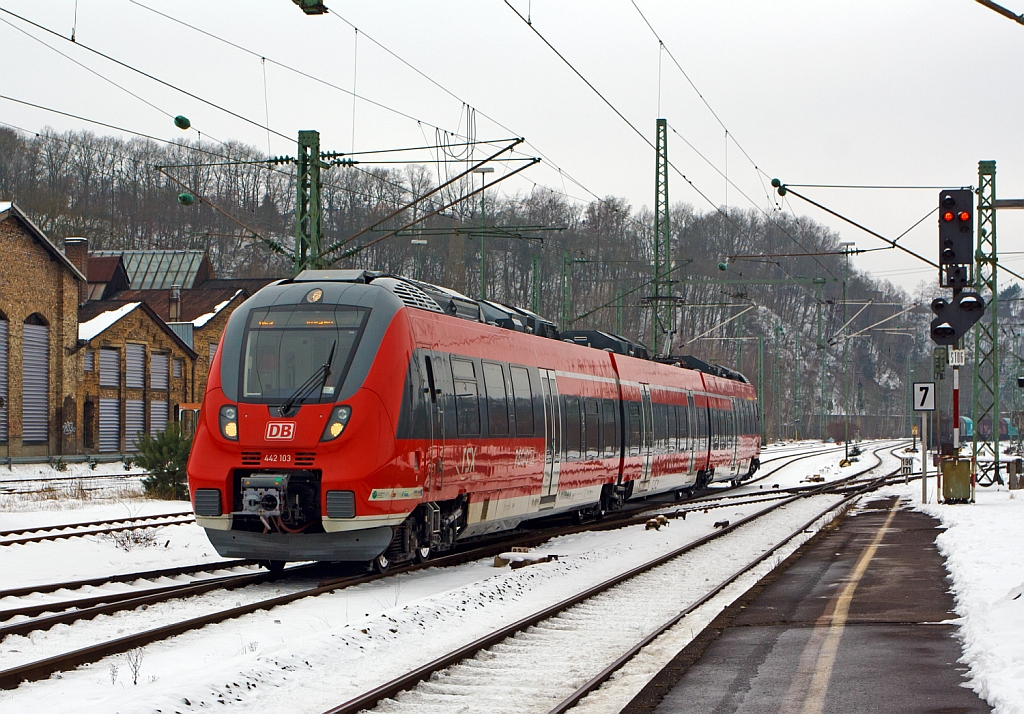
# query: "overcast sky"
{"type": "Point", "coordinates": [909, 93]}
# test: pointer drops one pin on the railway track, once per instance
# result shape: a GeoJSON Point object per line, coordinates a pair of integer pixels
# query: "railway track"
{"type": "Point", "coordinates": [40, 534]}
{"type": "Point", "coordinates": [84, 608]}
{"type": "Point", "coordinates": [566, 634]}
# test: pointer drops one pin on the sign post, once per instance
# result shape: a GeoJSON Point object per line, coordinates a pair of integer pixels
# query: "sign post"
{"type": "Point", "coordinates": [924, 402]}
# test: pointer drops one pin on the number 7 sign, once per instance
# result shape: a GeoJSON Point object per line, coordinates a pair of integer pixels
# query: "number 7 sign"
{"type": "Point", "coordinates": [924, 396]}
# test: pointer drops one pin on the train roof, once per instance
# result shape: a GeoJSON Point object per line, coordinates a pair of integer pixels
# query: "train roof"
{"type": "Point", "coordinates": [438, 299]}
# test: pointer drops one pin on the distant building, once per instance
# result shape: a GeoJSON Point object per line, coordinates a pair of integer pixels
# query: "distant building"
{"type": "Point", "coordinates": [135, 370]}
{"type": "Point", "coordinates": [39, 365]}
{"type": "Point", "coordinates": [99, 347]}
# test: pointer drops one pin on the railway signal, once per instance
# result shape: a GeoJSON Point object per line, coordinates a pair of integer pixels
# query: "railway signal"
{"type": "Point", "coordinates": [956, 237]}
{"type": "Point", "coordinates": [954, 319]}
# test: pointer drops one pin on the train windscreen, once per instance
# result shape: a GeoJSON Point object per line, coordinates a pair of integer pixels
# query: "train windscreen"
{"type": "Point", "coordinates": [286, 345]}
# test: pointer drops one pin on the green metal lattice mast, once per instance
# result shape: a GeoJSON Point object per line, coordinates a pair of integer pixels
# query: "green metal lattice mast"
{"type": "Point", "coordinates": [661, 309]}
{"type": "Point", "coordinates": [309, 225]}
{"type": "Point", "coordinates": [986, 332]}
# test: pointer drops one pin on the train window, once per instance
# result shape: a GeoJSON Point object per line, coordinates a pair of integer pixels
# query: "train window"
{"type": "Point", "coordinates": [633, 428]}
{"type": "Point", "coordinates": [573, 427]}
{"type": "Point", "coordinates": [592, 423]}
{"type": "Point", "coordinates": [523, 395]}
{"type": "Point", "coordinates": [497, 399]}
{"type": "Point", "coordinates": [284, 345]}
{"type": "Point", "coordinates": [611, 430]}
{"type": "Point", "coordinates": [682, 430]}
{"type": "Point", "coordinates": [673, 435]}
{"type": "Point", "coordinates": [467, 399]}
{"type": "Point", "coordinates": [660, 428]}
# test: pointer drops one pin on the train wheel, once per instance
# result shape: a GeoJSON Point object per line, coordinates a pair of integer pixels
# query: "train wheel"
{"type": "Point", "coordinates": [682, 494]}
{"type": "Point", "coordinates": [274, 566]}
{"type": "Point", "coordinates": [423, 554]}
{"type": "Point", "coordinates": [381, 564]}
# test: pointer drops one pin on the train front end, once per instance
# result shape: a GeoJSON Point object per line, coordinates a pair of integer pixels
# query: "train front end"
{"type": "Point", "coordinates": [294, 434]}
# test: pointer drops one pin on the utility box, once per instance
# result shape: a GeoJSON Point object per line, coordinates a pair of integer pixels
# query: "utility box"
{"type": "Point", "coordinates": [1015, 472]}
{"type": "Point", "coordinates": [956, 480]}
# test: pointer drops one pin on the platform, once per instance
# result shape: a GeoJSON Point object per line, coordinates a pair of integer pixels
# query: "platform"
{"type": "Point", "coordinates": [858, 623]}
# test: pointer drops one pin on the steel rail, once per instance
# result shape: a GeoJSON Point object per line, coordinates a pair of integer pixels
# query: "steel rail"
{"type": "Point", "coordinates": [621, 661]}
{"type": "Point", "coordinates": [123, 578]}
{"type": "Point", "coordinates": [97, 531]}
{"type": "Point", "coordinates": [90, 524]}
{"type": "Point", "coordinates": [389, 689]}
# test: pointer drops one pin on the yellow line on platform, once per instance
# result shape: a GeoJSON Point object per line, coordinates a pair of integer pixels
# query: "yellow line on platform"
{"type": "Point", "coordinates": [819, 655]}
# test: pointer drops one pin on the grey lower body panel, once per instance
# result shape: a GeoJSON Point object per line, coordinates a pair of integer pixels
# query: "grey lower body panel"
{"type": "Point", "coordinates": [331, 547]}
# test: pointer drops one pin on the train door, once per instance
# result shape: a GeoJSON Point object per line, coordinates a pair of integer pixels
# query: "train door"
{"type": "Point", "coordinates": [689, 414]}
{"type": "Point", "coordinates": [734, 435]}
{"type": "Point", "coordinates": [647, 438]}
{"type": "Point", "coordinates": [432, 372]}
{"type": "Point", "coordinates": [552, 439]}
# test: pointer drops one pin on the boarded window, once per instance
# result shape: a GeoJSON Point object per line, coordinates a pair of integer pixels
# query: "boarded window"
{"type": "Point", "coordinates": [573, 428]}
{"type": "Point", "coordinates": [110, 424]}
{"type": "Point", "coordinates": [3, 381]}
{"type": "Point", "coordinates": [592, 426]}
{"type": "Point", "coordinates": [135, 366]}
{"type": "Point", "coordinates": [134, 423]}
{"type": "Point", "coordinates": [157, 417]}
{"type": "Point", "coordinates": [177, 369]}
{"type": "Point", "coordinates": [35, 384]}
{"type": "Point", "coordinates": [524, 401]}
{"type": "Point", "coordinates": [497, 399]}
{"type": "Point", "coordinates": [611, 428]}
{"type": "Point", "coordinates": [89, 361]}
{"type": "Point", "coordinates": [467, 397]}
{"type": "Point", "coordinates": [110, 367]}
{"type": "Point", "coordinates": [158, 378]}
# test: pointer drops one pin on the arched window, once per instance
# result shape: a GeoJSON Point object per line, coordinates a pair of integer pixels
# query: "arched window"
{"type": "Point", "coordinates": [35, 381]}
{"type": "Point", "coordinates": [3, 377]}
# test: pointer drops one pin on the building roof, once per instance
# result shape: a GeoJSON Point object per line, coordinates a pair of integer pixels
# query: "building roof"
{"type": "Point", "coordinates": [163, 269]}
{"type": "Point", "coordinates": [9, 208]}
{"type": "Point", "coordinates": [92, 322]}
{"type": "Point", "coordinates": [196, 304]}
{"type": "Point", "coordinates": [94, 318]}
{"type": "Point", "coordinates": [250, 285]}
{"type": "Point", "coordinates": [103, 268]}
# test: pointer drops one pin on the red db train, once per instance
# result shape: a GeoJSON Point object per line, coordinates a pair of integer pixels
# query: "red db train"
{"type": "Point", "coordinates": [357, 416]}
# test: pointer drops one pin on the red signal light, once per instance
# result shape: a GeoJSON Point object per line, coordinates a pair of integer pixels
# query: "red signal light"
{"type": "Point", "coordinates": [965, 216]}
{"type": "Point", "coordinates": [947, 216]}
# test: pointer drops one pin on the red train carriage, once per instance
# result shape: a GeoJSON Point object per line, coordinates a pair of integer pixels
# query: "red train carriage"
{"type": "Point", "coordinates": [351, 416]}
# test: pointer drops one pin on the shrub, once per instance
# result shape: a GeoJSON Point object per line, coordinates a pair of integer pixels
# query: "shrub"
{"type": "Point", "coordinates": [164, 457]}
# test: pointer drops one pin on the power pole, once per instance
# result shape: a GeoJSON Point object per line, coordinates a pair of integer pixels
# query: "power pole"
{"type": "Point", "coordinates": [535, 283]}
{"type": "Point", "coordinates": [820, 345]}
{"type": "Point", "coordinates": [618, 312]}
{"type": "Point", "coordinates": [566, 294]}
{"type": "Point", "coordinates": [661, 310]}
{"type": "Point", "coordinates": [309, 225]}
{"type": "Point", "coordinates": [986, 333]}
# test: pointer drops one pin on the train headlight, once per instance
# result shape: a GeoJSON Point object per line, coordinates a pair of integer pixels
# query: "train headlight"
{"type": "Point", "coordinates": [229, 422]}
{"type": "Point", "coordinates": [336, 424]}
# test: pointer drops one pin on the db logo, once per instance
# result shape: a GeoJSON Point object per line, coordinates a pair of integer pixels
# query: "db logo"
{"type": "Point", "coordinates": [281, 430]}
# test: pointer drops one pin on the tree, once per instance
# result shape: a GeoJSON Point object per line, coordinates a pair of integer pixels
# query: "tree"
{"type": "Point", "coordinates": [165, 457]}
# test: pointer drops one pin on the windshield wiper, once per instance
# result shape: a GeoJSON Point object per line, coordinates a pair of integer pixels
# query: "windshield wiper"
{"type": "Point", "coordinates": [322, 373]}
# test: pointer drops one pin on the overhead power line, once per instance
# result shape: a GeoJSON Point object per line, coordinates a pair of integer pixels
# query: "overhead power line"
{"type": "Point", "coordinates": [145, 74]}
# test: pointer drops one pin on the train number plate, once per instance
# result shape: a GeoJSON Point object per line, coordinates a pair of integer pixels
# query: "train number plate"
{"type": "Point", "coordinates": [277, 458]}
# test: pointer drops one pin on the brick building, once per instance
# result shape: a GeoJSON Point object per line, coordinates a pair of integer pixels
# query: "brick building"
{"type": "Point", "coordinates": [135, 370]}
{"type": "Point", "coordinates": [95, 348]}
{"type": "Point", "coordinates": [39, 365]}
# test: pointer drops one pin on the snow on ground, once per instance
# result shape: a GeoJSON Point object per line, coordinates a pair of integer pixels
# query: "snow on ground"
{"type": "Point", "coordinates": [314, 653]}
{"type": "Point", "coordinates": [981, 543]}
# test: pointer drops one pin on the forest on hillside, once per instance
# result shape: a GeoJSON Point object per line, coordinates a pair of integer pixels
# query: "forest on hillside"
{"type": "Point", "coordinates": [109, 190]}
